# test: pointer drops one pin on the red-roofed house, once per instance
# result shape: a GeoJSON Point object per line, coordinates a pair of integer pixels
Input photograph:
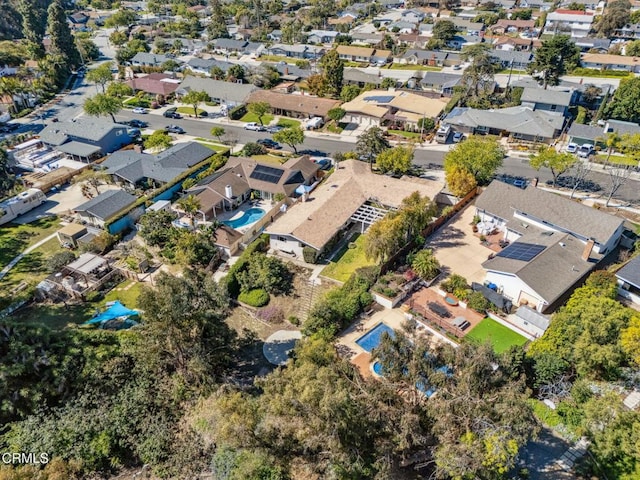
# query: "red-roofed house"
{"type": "Point", "coordinates": [155, 84]}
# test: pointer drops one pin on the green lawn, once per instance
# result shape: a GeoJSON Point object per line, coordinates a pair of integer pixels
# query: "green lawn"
{"type": "Point", "coordinates": [14, 238]}
{"type": "Point", "coordinates": [215, 148]}
{"type": "Point", "coordinates": [276, 160]}
{"type": "Point", "coordinates": [252, 117]}
{"type": "Point", "coordinates": [127, 292]}
{"type": "Point", "coordinates": [333, 128]}
{"type": "Point", "coordinates": [288, 122]}
{"type": "Point", "coordinates": [347, 261]}
{"type": "Point", "coordinates": [425, 68]}
{"type": "Point", "coordinates": [402, 133]}
{"type": "Point", "coordinates": [277, 58]}
{"type": "Point", "coordinates": [617, 159]}
{"type": "Point", "coordinates": [500, 336]}
{"type": "Point", "coordinates": [188, 110]}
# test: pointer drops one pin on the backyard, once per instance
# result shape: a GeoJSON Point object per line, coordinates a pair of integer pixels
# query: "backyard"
{"type": "Point", "coordinates": [14, 238]}
{"type": "Point", "coordinates": [500, 336]}
{"type": "Point", "coordinates": [350, 257]}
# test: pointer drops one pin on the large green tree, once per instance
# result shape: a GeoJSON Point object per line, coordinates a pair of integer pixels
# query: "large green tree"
{"type": "Point", "coordinates": [101, 75]}
{"type": "Point", "coordinates": [371, 143]}
{"type": "Point", "coordinates": [292, 136]}
{"type": "Point", "coordinates": [259, 109]}
{"type": "Point", "coordinates": [7, 180]}
{"type": "Point", "coordinates": [195, 98]}
{"type": "Point", "coordinates": [481, 156]}
{"type": "Point", "coordinates": [444, 30]}
{"type": "Point", "coordinates": [333, 71]}
{"type": "Point", "coordinates": [101, 105]}
{"type": "Point", "coordinates": [62, 41]}
{"type": "Point", "coordinates": [555, 57]}
{"type": "Point", "coordinates": [616, 15]}
{"type": "Point", "coordinates": [556, 162]}
{"type": "Point", "coordinates": [396, 160]}
{"type": "Point", "coordinates": [34, 24]}
{"type": "Point", "coordinates": [626, 101]}
{"type": "Point", "coordinates": [217, 27]}
{"type": "Point", "coordinates": [480, 72]}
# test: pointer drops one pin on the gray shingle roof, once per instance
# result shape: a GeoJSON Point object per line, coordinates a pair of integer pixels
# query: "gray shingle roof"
{"type": "Point", "coordinates": [90, 128]}
{"type": "Point", "coordinates": [355, 75]}
{"type": "Point", "coordinates": [503, 200]}
{"type": "Point", "coordinates": [208, 64]}
{"type": "Point", "coordinates": [441, 79]}
{"type": "Point", "coordinates": [549, 97]}
{"type": "Point", "coordinates": [164, 167]}
{"type": "Point", "coordinates": [227, 91]}
{"type": "Point", "coordinates": [229, 43]}
{"type": "Point", "coordinates": [507, 56]}
{"type": "Point", "coordinates": [149, 58]}
{"type": "Point", "coordinates": [630, 273]}
{"type": "Point", "coordinates": [622, 127]}
{"type": "Point", "coordinates": [522, 120]}
{"type": "Point", "coordinates": [107, 204]}
{"type": "Point", "coordinates": [534, 318]}
{"type": "Point", "coordinates": [587, 132]}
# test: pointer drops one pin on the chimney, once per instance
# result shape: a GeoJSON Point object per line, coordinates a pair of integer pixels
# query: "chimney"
{"type": "Point", "coordinates": [534, 182]}
{"type": "Point", "coordinates": [228, 191]}
{"type": "Point", "coordinates": [586, 253]}
{"type": "Point", "coordinates": [286, 70]}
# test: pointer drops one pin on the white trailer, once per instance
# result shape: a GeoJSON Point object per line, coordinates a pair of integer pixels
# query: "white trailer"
{"type": "Point", "coordinates": [314, 123]}
{"type": "Point", "coordinates": [22, 203]}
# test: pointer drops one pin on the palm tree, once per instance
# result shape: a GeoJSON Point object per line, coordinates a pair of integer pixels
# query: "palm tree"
{"type": "Point", "coordinates": [612, 140]}
{"type": "Point", "coordinates": [425, 264]}
{"type": "Point", "coordinates": [190, 205]}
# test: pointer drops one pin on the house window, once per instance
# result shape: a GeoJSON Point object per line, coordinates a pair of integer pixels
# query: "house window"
{"type": "Point", "coordinates": [282, 239]}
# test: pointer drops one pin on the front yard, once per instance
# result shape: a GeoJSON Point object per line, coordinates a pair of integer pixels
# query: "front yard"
{"type": "Point", "coordinates": [288, 122]}
{"type": "Point", "coordinates": [501, 337]}
{"type": "Point", "coordinates": [348, 260]}
{"type": "Point", "coordinates": [252, 117]}
{"type": "Point", "coordinates": [617, 159]}
{"type": "Point", "coordinates": [188, 110]}
{"type": "Point", "coordinates": [424, 68]}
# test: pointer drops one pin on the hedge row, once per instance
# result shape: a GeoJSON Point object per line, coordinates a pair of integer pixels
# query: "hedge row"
{"type": "Point", "coordinates": [260, 244]}
{"type": "Point", "coordinates": [254, 298]}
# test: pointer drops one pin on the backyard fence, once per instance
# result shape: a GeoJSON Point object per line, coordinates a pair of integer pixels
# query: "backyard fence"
{"type": "Point", "coordinates": [428, 231]}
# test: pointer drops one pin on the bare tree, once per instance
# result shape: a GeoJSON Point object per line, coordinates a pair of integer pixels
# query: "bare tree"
{"type": "Point", "coordinates": [618, 176]}
{"type": "Point", "coordinates": [580, 172]}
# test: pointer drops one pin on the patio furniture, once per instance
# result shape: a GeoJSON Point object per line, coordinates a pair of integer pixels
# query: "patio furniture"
{"type": "Point", "coordinates": [438, 309]}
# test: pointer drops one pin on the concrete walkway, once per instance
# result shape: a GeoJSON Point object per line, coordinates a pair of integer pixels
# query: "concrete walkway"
{"type": "Point", "coordinates": [13, 262]}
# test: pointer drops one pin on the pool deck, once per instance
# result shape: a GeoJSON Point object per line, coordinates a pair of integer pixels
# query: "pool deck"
{"type": "Point", "coordinates": [394, 318]}
{"type": "Point", "coordinates": [265, 205]}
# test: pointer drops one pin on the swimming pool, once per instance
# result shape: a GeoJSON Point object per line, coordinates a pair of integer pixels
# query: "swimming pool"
{"type": "Point", "coordinates": [248, 217]}
{"type": "Point", "coordinates": [371, 339]}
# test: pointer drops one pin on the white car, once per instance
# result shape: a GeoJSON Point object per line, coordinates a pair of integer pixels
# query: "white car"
{"type": "Point", "coordinates": [585, 150]}
{"type": "Point", "coordinates": [572, 148]}
{"type": "Point", "coordinates": [256, 127]}
{"type": "Point", "coordinates": [139, 110]}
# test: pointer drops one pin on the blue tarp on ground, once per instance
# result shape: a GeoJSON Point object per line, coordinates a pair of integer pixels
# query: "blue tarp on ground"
{"type": "Point", "coordinates": [114, 311]}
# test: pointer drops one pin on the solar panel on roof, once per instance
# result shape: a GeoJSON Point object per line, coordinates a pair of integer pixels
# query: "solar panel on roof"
{"type": "Point", "coordinates": [379, 98]}
{"type": "Point", "coordinates": [266, 174]}
{"type": "Point", "coordinates": [521, 251]}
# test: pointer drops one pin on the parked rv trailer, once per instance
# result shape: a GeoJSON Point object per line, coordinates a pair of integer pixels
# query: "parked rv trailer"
{"type": "Point", "coordinates": [22, 203]}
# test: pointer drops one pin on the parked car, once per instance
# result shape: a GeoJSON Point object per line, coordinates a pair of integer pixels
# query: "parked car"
{"type": "Point", "coordinates": [586, 150]}
{"type": "Point", "coordinates": [137, 123]}
{"type": "Point", "coordinates": [174, 129]}
{"type": "Point", "coordinates": [572, 148]}
{"type": "Point", "coordinates": [267, 142]}
{"type": "Point", "coordinates": [9, 127]}
{"type": "Point", "coordinates": [458, 137]}
{"type": "Point", "coordinates": [172, 113]}
{"type": "Point", "coordinates": [256, 127]}
{"type": "Point", "coordinates": [520, 183]}
{"type": "Point", "coordinates": [139, 110]}
{"type": "Point", "coordinates": [274, 129]}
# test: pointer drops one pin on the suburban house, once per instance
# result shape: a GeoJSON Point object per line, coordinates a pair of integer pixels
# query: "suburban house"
{"type": "Point", "coordinates": [296, 51]}
{"type": "Point", "coordinates": [581, 134]}
{"type": "Point", "coordinates": [549, 100]}
{"type": "Point", "coordinates": [86, 138]}
{"type": "Point", "coordinates": [442, 83]}
{"type": "Point", "coordinates": [144, 59]}
{"type": "Point", "coordinates": [603, 61]}
{"type": "Point", "coordinates": [589, 44]}
{"type": "Point", "coordinates": [628, 32]}
{"type": "Point", "coordinates": [229, 45]}
{"type": "Point", "coordinates": [467, 27]}
{"type": "Point", "coordinates": [353, 195]}
{"type": "Point", "coordinates": [363, 38]}
{"type": "Point", "coordinates": [518, 60]}
{"type": "Point", "coordinates": [353, 76]}
{"type": "Point", "coordinates": [399, 108]}
{"type": "Point", "coordinates": [103, 207]}
{"type": "Point", "coordinates": [355, 54]}
{"type": "Point", "coordinates": [133, 168]}
{"type": "Point", "coordinates": [629, 281]}
{"type": "Point", "coordinates": [505, 25]}
{"type": "Point", "coordinates": [516, 43]}
{"type": "Point", "coordinates": [522, 123]}
{"type": "Point", "coordinates": [155, 84]}
{"type": "Point", "coordinates": [572, 22]}
{"type": "Point", "coordinates": [295, 106]}
{"type": "Point", "coordinates": [413, 15]}
{"type": "Point", "coordinates": [322, 36]}
{"type": "Point", "coordinates": [203, 66]}
{"type": "Point", "coordinates": [554, 242]}
{"type": "Point", "coordinates": [460, 41]}
{"type": "Point", "coordinates": [423, 57]}
{"type": "Point", "coordinates": [229, 187]}
{"type": "Point", "coordinates": [225, 93]}
{"type": "Point", "coordinates": [402, 27]}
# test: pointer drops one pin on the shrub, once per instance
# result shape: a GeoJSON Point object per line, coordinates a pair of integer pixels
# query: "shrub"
{"type": "Point", "coordinates": [93, 296]}
{"type": "Point", "coordinates": [477, 302]}
{"type": "Point", "coordinates": [59, 260]}
{"type": "Point", "coordinates": [252, 148]}
{"type": "Point", "coordinates": [231, 281]}
{"type": "Point", "coordinates": [293, 320]}
{"type": "Point", "coordinates": [270, 314]}
{"type": "Point", "coordinates": [310, 254]}
{"type": "Point", "coordinates": [267, 273]}
{"type": "Point", "coordinates": [453, 283]}
{"type": "Point", "coordinates": [254, 298]}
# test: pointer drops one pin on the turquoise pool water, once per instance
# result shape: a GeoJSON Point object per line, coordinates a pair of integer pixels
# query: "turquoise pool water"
{"type": "Point", "coordinates": [248, 217]}
{"type": "Point", "coordinates": [371, 339]}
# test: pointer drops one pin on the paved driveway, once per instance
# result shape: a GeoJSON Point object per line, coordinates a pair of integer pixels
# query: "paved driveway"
{"type": "Point", "coordinates": [458, 249]}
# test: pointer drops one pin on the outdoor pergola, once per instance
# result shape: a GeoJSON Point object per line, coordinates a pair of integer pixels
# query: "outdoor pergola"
{"type": "Point", "coordinates": [367, 215]}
